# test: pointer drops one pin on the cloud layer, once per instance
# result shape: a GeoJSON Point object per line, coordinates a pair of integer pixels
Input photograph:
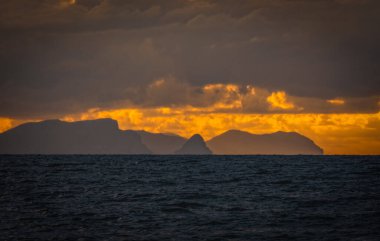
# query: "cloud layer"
{"type": "Point", "coordinates": [64, 57]}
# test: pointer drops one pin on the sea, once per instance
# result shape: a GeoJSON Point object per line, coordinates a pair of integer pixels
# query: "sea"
{"type": "Point", "coordinates": [147, 197]}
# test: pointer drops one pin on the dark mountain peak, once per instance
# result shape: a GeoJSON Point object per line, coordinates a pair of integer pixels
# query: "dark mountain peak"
{"type": "Point", "coordinates": [101, 136]}
{"type": "Point", "coordinates": [195, 145]}
{"type": "Point", "coordinates": [241, 142]}
{"type": "Point", "coordinates": [196, 138]}
{"type": "Point", "coordinates": [235, 132]}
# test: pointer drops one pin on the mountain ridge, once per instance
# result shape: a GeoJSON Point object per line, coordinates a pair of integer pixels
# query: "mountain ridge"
{"type": "Point", "coordinates": [103, 136]}
{"type": "Point", "coordinates": [237, 142]}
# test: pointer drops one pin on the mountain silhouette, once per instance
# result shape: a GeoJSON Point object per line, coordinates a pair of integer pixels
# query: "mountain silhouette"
{"type": "Point", "coordinates": [100, 136]}
{"type": "Point", "coordinates": [161, 143]}
{"type": "Point", "coordinates": [235, 142]}
{"type": "Point", "coordinates": [194, 146]}
{"type": "Point", "coordinates": [103, 136]}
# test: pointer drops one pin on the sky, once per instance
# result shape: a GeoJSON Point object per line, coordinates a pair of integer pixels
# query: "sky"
{"type": "Point", "coordinates": [197, 66]}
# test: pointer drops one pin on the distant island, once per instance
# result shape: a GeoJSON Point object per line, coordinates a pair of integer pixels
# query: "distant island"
{"type": "Point", "coordinates": [103, 136]}
{"type": "Point", "coordinates": [235, 142]}
{"type": "Point", "coordinates": [195, 145]}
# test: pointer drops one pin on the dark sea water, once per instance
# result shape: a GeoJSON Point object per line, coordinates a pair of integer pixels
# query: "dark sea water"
{"type": "Point", "coordinates": [189, 198]}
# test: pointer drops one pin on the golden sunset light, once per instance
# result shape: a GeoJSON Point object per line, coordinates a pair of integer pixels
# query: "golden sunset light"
{"type": "Point", "coordinates": [189, 120]}
{"type": "Point", "coordinates": [330, 131]}
{"type": "Point", "coordinates": [187, 67]}
{"type": "Point", "coordinates": [225, 110]}
{"type": "Point", "coordinates": [327, 130]}
{"type": "Point", "coordinates": [279, 100]}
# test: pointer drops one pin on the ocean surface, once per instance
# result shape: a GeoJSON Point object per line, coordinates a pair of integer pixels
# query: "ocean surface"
{"type": "Point", "coordinates": [189, 197]}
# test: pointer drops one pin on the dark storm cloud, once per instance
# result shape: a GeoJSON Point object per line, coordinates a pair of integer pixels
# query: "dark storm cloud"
{"type": "Point", "coordinates": [57, 57]}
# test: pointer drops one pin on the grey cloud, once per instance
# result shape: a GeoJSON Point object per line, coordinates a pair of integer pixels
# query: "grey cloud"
{"type": "Point", "coordinates": [57, 58]}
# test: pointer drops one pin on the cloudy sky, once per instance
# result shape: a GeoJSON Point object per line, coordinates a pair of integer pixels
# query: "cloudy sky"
{"type": "Point", "coordinates": [197, 66]}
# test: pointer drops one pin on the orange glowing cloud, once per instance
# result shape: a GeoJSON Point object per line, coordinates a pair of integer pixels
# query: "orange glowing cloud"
{"type": "Point", "coordinates": [279, 100]}
{"type": "Point", "coordinates": [336, 101]}
{"type": "Point", "coordinates": [228, 97]}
